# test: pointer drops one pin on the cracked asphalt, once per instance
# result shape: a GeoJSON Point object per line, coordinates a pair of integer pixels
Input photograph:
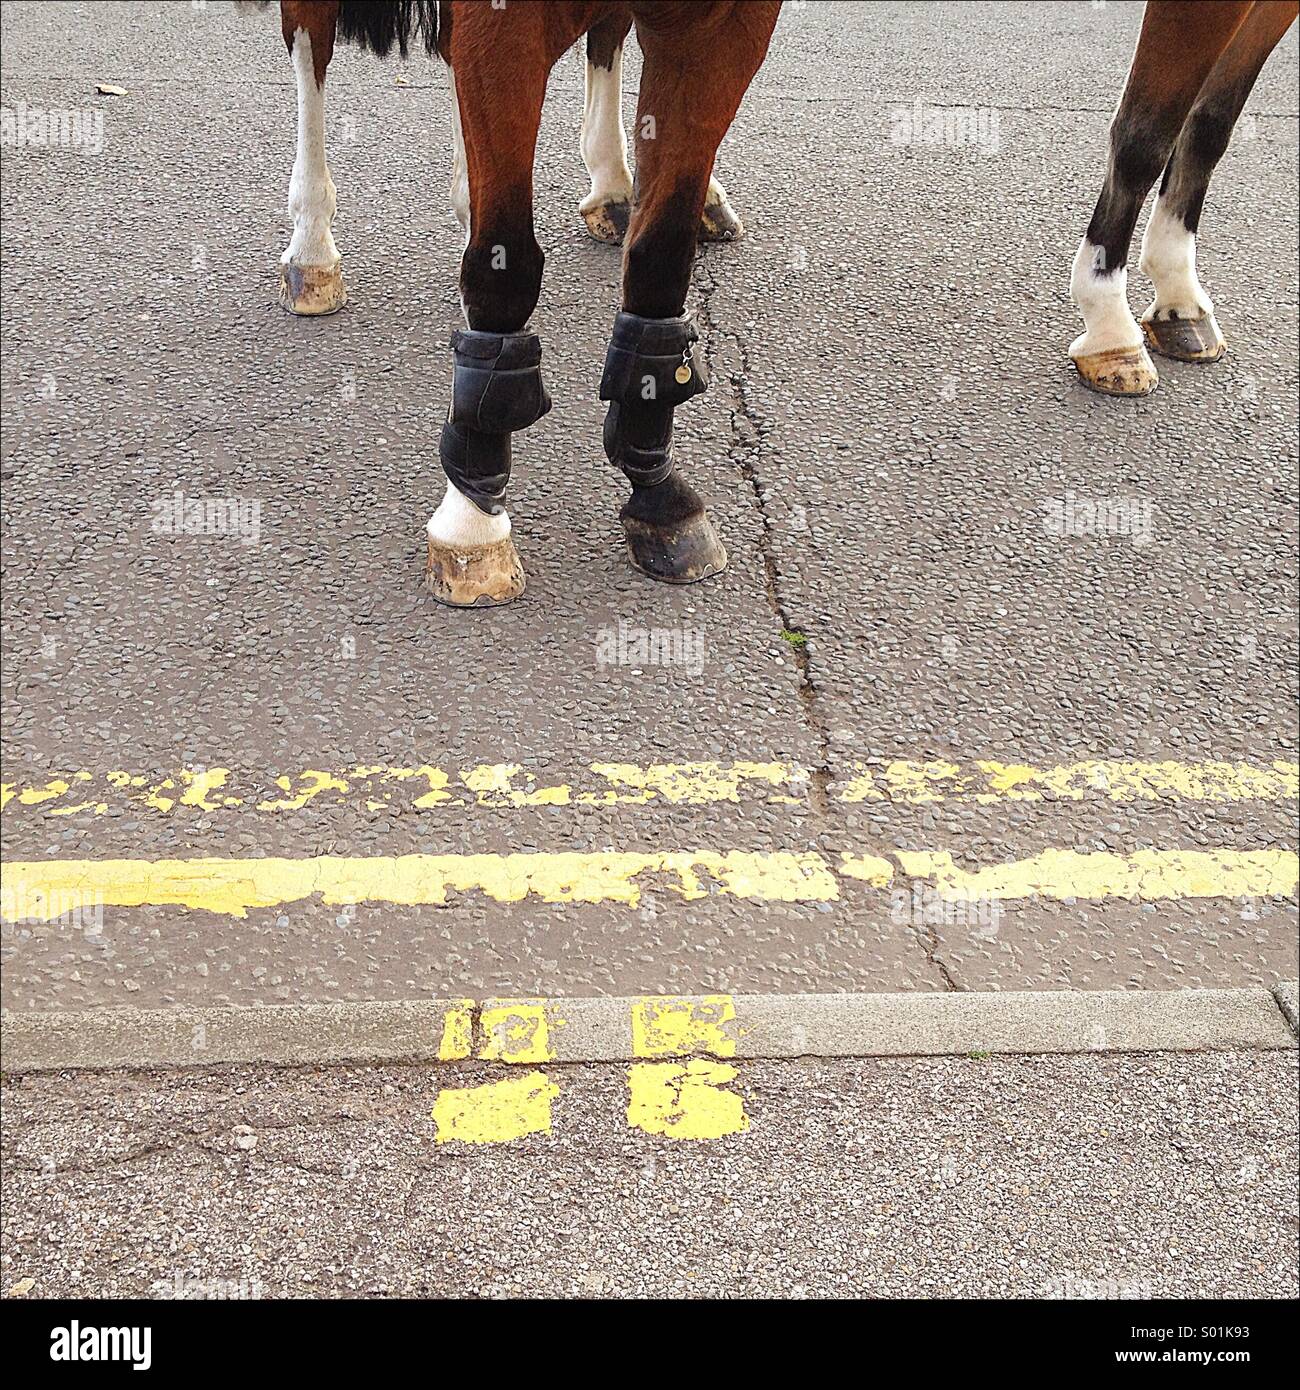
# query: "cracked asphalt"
{"type": "Point", "coordinates": [1098, 1177]}
{"type": "Point", "coordinates": [891, 413]}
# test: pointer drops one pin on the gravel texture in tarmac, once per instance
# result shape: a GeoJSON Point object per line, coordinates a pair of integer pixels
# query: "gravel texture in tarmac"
{"type": "Point", "coordinates": [892, 418]}
{"type": "Point", "coordinates": [1131, 1176]}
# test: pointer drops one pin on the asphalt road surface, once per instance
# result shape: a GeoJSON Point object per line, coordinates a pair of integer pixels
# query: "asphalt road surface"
{"type": "Point", "coordinates": [1106, 1177]}
{"type": "Point", "coordinates": [891, 423]}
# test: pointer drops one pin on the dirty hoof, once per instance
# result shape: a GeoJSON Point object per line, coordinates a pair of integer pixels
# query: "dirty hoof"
{"type": "Point", "coordinates": [608, 221]}
{"type": "Point", "coordinates": [312, 289]}
{"type": "Point", "coordinates": [1127, 371]}
{"type": "Point", "coordinates": [1188, 340]}
{"type": "Point", "coordinates": [480, 576]}
{"type": "Point", "coordinates": [683, 553]}
{"type": "Point", "coordinates": [719, 223]}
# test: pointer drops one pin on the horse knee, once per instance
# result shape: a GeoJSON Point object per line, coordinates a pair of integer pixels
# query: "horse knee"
{"type": "Point", "coordinates": [1139, 149]}
{"type": "Point", "coordinates": [500, 281]}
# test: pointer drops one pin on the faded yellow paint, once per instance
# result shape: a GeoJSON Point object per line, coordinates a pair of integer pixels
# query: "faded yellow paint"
{"type": "Point", "coordinates": [51, 791]}
{"type": "Point", "coordinates": [497, 1111]}
{"type": "Point", "coordinates": [987, 782]}
{"type": "Point", "coordinates": [677, 1027]}
{"type": "Point", "coordinates": [233, 886]}
{"type": "Point", "coordinates": [374, 787]}
{"type": "Point", "coordinates": [516, 1030]}
{"type": "Point", "coordinates": [684, 1100]}
{"type": "Point", "coordinates": [316, 783]}
{"type": "Point", "coordinates": [493, 785]}
{"type": "Point", "coordinates": [688, 783]}
{"type": "Point", "coordinates": [876, 871]}
{"type": "Point", "coordinates": [48, 888]}
{"type": "Point", "coordinates": [434, 776]}
{"type": "Point", "coordinates": [457, 1040]}
{"type": "Point", "coordinates": [1146, 874]}
{"type": "Point", "coordinates": [200, 784]}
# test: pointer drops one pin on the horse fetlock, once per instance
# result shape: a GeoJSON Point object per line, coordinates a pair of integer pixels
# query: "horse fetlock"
{"type": "Point", "coordinates": [1168, 259]}
{"type": "Point", "coordinates": [1109, 354]}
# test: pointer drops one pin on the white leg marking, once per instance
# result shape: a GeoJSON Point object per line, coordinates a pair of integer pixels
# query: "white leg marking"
{"type": "Point", "coordinates": [1103, 301]}
{"type": "Point", "coordinates": [459, 167]}
{"type": "Point", "coordinates": [717, 195]}
{"type": "Point", "coordinates": [458, 522]}
{"type": "Point", "coordinates": [1169, 260]}
{"type": "Point", "coordinates": [603, 141]}
{"type": "Point", "coordinates": [312, 199]}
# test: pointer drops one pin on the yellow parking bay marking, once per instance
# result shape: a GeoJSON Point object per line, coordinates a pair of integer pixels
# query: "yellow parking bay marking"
{"type": "Point", "coordinates": [207, 791]}
{"type": "Point", "coordinates": [496, 1111]}
{"type": "Point", "coordinates": [688, 1097]}
{"type": "Point", "coordinates": [43, 890]}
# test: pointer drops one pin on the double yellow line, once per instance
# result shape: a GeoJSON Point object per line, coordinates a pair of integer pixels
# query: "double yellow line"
{"type": "Point", "coordinates": [40, 890]}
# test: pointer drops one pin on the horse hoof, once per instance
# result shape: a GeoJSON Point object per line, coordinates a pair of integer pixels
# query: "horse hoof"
{"type": "Point", "coordinates": [1126, 371]}
{"type": "Point", "coordinates": [312, 289]}
{"type": "Point", "coordinates": [719, 223]}
{"type": "Point", "coordinates": [683, 553]}
{"type": "Point", "coordinates": [607, 222]}
{"type": "Point", "coordinates": [1188, 340]}
{"type": "Point", "coordinates": [480, 576]}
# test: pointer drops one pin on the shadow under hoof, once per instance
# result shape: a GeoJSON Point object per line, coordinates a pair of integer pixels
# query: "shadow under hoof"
{"type": "Point", "coordinates": [311, 291]}
{"type": "Point", "coordinates": [682, 554]}
{"type": "Point", "coordinates": [484, 576]}
{"type": "Point", "coordinates": [1118, 372]}
{"type": "Point", "coordinates": [1185, 340]}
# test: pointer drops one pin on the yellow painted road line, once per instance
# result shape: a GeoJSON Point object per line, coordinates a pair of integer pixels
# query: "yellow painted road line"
{"type": "Point", "coordinates": [425, 788]}
{"type": "Point", "coordinates": [49, 888]}
{"type": "Point", "coordinates": [987, 783]}
{"type": "Point", "coordinates": [1146, 875]}
{"type": "Point", "coordinates": [44, 890]}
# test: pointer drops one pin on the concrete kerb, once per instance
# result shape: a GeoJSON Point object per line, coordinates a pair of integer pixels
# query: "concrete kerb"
{"type": "Point", "coordinates": [627, 1029]}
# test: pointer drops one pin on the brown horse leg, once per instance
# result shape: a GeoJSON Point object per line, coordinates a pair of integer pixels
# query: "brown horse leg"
{"type": "Point", "coordinates": [1180, 42]}
{"type": "Point", "coordinates": [1180, 320]}
{"type": "Point", "coordinates": [607, 209]}
{"type": "Point", "coordinates": [699, 60]}
{"type": "Point", "coordinates": [311, 281]}
{"type": "Point", "coordinates": [500, 58]}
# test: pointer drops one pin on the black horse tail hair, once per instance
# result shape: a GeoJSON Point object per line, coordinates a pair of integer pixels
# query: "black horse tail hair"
{"type": "Point", "coordinates": [379, 26]}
